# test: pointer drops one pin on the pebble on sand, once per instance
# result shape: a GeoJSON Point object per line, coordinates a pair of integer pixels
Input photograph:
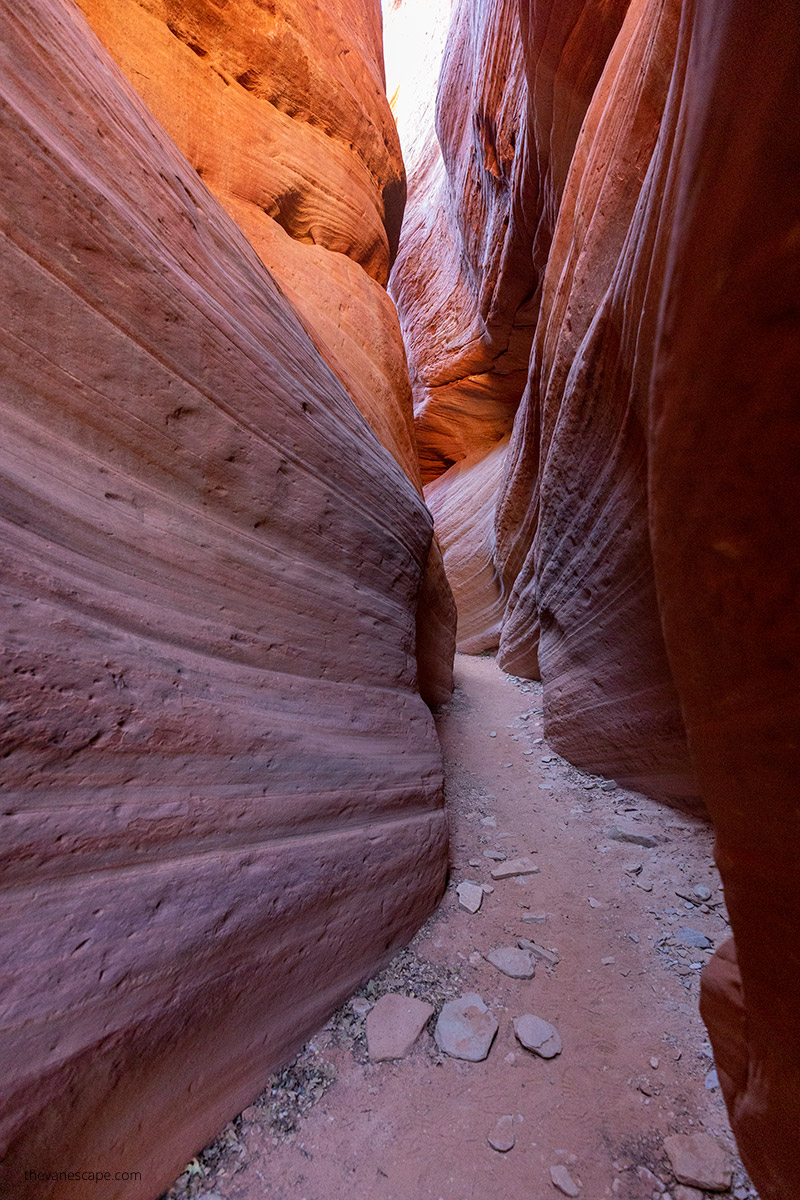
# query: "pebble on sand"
{"type": "Point", "coordinates": [465, 1028]}
{"type": "Point", "coordinates": [394, 1024]}
{"type": "Point", "coordinates": [512, 961]}
{"type": "Point", "coordinates": [626, 833]}
{"type": "Point", "coordinates": [470, 895]}
{"type": "Point", "coordinates": [699, 1161]}
{"type": "Point", "coordinates": [562, 1179]}
{"type": "Point", "coordinates": [502, 1136]}
{"type": "Point", "coordinates": [538, 1035]}
{"type": "Point", "coordinates": [515, 866]}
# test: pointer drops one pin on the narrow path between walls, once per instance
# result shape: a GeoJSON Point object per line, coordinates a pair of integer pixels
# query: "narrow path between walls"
{"type": "Point", "coordinates": [612, 923]}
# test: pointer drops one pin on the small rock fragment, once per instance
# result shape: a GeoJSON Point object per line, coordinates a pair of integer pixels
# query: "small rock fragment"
{"type": "Point", "coordinates": [687, 1193]}
{"type": "Point", "coordinates": [594, 903]}
{"type": "Point", "coordinates": [538, 1035]}
{"type": "Point", "coordinates": [512, 961]}
{"type": "Point", "coordinates": [488, 889]}
{"type": "Point", "coordinates": [655, 1063]}
{"type": "Point", "coordinates": [394, 1024]}
{"type": "Point", "coordinates": [562, 1179]}
{"type": "Point", "coordinates": [465, 1028]}
{"type": "Point", "coordinates": [515, 866]}
{"type": "Point", "coordinates": [535, 918]}
{"type": "Point", "coordinates": [493, 733]}
{"type": "Point", "coordinates": [547, 956]}
{"type": "Point", "coordinates": [502, 1136]}
{"type": "Point", "coordinates": [633, 868]}
{"type": "Point", "coordinates": [360, 1005]}
{"type": "Point", "coordinates": [624, 833]}
{"type": "Point", "coordinates": [469, 895]}
{"type": "Point", "coordinates": [712, 1080]}
{"type": "Point", "coordinates": [692, 937]}
{"type": "Point", "coordinates": [490, 821]}
{"type": "Point", "coordinates": [699, 1161]}
{"type": "Point", "coordinates": [702, 892]}
{"type": "Point", "coordinates": [495, 855]}
{"type": "Point", "coordinates": [608, 961]}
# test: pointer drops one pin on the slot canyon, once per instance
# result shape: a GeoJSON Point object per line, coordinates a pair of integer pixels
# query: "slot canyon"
{"type": "Point", "coordinates": [388, 395]}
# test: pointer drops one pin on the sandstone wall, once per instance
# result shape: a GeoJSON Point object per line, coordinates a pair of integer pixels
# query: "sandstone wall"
{"type": "Point", "coordinates": [484, 191]}
{"type": "Point", "coordinates": [724, 488]}
{"type": "Point", "coordinates": [583, 596]}
{"type": "Point", "coordinates": [221, 788]}
{"type": "Point", "coordinates": [282, 112]}
{"type": "Point", "coordinates": [643, 554]}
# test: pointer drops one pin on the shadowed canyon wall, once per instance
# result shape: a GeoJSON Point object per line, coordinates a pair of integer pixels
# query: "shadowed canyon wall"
{"type": "Point", "coordinates": [635, 541]}
{"type": "Point", "coordinates": [222, 792]}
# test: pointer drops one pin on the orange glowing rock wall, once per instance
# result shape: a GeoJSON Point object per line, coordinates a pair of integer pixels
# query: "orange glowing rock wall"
{"type": "Point", "coordinates": [222, 792]}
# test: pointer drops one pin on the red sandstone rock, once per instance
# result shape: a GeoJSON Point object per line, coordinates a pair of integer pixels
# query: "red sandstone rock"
{"type": "Point", "coordinates": [724, 486]}
{"type": "Point", "coordinates": [222, 792]}
{"type": "Point", "coordinates": [576, 533]}
{"type": "Point", "coordinates": [484, 189]}
{"type": "Point", "coordinates": [294, 136]}
{"type": "Point", "coordinates": [462, 503]}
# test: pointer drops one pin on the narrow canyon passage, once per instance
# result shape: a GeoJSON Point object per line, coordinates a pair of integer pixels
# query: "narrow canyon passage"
{"type": "Point", "coordinates": [618, 979]}
{"type": "Point", "coordinates": [343, 341]}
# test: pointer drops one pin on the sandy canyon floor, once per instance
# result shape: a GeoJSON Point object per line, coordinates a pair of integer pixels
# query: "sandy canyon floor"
{"type": "Point", "coordinates": [619, 984]}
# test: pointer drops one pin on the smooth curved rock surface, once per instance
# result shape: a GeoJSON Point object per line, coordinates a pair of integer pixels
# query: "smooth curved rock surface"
{"type": "Point", "coordinates": [583, 601]}
{"type": "Point", "coordinates": [462, 503]}
{"type": "Point", "coordinates": [221, 789]}
{"type": "Point", "coordinates": [483, 192]}
{"type": "Point", "coordinates": [725, 516]}
{"type": "Point", "coordinates": [283, 114]}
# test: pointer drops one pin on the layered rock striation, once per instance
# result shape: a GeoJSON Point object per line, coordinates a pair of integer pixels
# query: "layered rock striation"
{"type": "Point", "coordinates": [642, 550]}
{"type": "Point", "coordinates": [222, 794]}
{"type": "Point", "coordinates": [572, 521]}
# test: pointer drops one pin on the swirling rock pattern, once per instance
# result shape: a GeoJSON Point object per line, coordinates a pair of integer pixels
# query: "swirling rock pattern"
{"type": "Point", "coordinates": [484, 191]}
{"type": "Point", "coordinates": [221, 788]}
{"type": "Point", "coordinates": [647, 522]}
{"type": "Point", "coordinates": [577, 531]}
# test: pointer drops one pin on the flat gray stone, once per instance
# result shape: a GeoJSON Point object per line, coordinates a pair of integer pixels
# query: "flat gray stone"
{"type": "Point", "coordinates": [693, 937]}
{"type": "Point", "coordinates": [627, 833]}
{"type": "Point", "coordinates": [465, 1028]}
{"type": "Point", "coordinates": [394, 1024]}
{"type": "Point", "coordinates": [563, 1181]}
{"type": "Point", "coordinates": [512, 961]}
{"type": "Point", "coordinates": [470, 895]}
{"type": "Point", "coordinates": [515, 866]}
{"type": "Point", "coordinates": [685, 1193]}
{"type": "Point", "coordinates": [502, 1136]}
{"type": "Point", "coordinates": [699, 1161]}
{"type": "Point", "coordinates": [538, 1035]}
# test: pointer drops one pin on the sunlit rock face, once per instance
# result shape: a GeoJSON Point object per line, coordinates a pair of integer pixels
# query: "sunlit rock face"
{"type": "Point", "coordinates": [282, 111]}
{"type": "Point", "coordinates": [484, 191]}
{"type": "Point", "coordinates": [221, 787]}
